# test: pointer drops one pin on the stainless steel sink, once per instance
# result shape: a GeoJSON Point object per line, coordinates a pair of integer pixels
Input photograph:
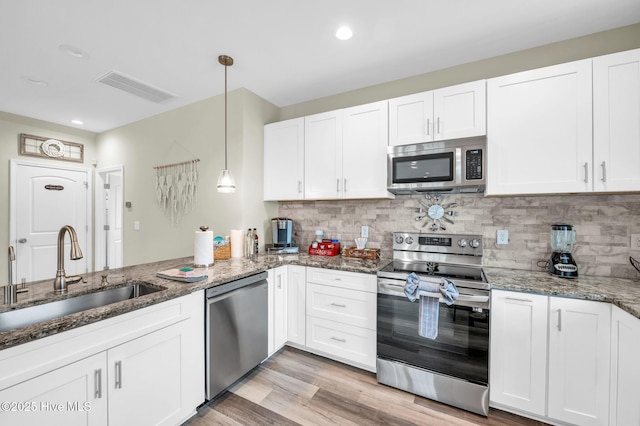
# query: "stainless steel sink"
{"type": "Point", "coordinates": [12, 320]}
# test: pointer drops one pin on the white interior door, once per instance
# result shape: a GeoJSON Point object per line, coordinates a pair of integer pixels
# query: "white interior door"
{"type": "Point", "coordinates": [109, 214]}
{"type": "Point", "coordinates": [44, 199]}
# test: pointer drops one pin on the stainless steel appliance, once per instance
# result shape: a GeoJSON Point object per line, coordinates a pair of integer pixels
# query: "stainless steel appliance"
{"type": "Point", "coordinates": [282, 233]}
{"type": "Point", "coordinates": [453, 368]}
{"type": "Point", "coordinates": [236, 331]}
{"type": "Point", "coordinates": [456, 165]}
{"type": "Point", "coordinates": [561, 263]}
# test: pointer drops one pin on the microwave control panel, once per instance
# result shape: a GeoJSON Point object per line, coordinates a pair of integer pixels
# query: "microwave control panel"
{"type": "Point", "coordinates": [473, 167]}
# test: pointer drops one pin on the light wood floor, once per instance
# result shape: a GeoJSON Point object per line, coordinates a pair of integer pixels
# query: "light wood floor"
{"type": "Point", "coordinates": [297, 388]}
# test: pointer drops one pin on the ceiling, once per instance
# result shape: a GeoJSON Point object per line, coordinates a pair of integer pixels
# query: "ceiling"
{"type": "Point", "coordinates": [284, 50]}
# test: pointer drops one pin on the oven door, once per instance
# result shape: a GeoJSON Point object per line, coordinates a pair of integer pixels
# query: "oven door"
{"type": "Point", "coordinates": [462, 347]}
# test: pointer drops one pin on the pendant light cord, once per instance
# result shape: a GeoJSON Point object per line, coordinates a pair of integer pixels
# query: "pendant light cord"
{"type": "Point", "coordinates": [225, 116]}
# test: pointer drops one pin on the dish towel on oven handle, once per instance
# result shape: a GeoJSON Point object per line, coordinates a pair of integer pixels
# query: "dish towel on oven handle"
{"type": "Point", "coordinates": [429, 306]}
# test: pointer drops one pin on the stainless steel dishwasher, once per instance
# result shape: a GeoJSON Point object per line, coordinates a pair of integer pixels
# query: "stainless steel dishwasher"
{"type": "Point", "coordinates": [236, 331]}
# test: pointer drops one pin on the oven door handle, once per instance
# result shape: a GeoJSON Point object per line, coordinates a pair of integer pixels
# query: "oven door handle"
{"type": "Point", "coordinates": [395, 288]}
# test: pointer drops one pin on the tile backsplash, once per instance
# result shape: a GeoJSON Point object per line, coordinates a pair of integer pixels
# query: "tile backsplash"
{"type": "Point", "coordinates": [603, 223]}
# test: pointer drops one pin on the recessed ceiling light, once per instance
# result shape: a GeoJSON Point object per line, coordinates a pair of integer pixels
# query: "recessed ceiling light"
{"type": "Point", "coordinates": [78, 122]}
{"type": "Point", "coordinates": [344, 33]}
{"type": "Point", "coordinates": [73, 51]}
{"type": "Point", "coordinates": [35, 81]}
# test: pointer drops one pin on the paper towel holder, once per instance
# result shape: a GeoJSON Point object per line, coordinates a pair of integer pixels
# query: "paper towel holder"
{"type": "Point", "coordinates": [204, 228]}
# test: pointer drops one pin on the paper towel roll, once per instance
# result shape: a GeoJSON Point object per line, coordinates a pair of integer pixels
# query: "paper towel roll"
{"type": "Point", "coordinates": [203, 249]}
{"type": "Point", "coordinates": [237, 243]}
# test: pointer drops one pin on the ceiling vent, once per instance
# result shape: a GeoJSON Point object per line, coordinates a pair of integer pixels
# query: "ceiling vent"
{"type": "Point", "coordinates": [135, 87]}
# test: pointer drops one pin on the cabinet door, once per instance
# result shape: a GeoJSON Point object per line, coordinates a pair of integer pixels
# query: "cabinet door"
{"type": "Point", "coordinates": [145, 385]}
{"type": "Point", "coordinates": [518, 369]}
{"type": "Point", "coordinates": [277, 309]}
{"type": "Point", "coordinates": [411, 119]}
{"type": "Point", "coordinates": [539, 131]}
{"type": "Point", "coordinates": [625, 374]}
{"type": "Point", "coordinates": [579, 360]}
{"type": "Point", "coordinates": [72, 395]}
{"type": "Point", "coordinates": [616, 121]}
{"type": "Point", "coordinates": [284, 160]}
{"type": "Point", "coordinates": [460, 111]}
{"type": "Point", "coordinates": [296, 308]}
{"type": "Point", "coordinates": [364, 151]}
{"type": "Point", "coordinates": [323, 156]}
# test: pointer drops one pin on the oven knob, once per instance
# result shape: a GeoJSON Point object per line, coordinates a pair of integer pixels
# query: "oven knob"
{"type": "Point", "coordinates": [474, 243]}
{"type": "Point", "coordinates": [399, 239]}
{"type": "Point", "coordinates": [409, 240]}
{"type": "Point", "coordinates": [462, 242]}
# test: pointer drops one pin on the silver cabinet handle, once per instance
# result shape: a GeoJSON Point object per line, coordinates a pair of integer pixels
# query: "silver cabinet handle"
{"type": "Point", "coordinates": [299, 187]}
{"type": "Point", "coordinates": [339, 305]}
{"type": "Point", "coordinates": [118, 375]}
{"type": "Point", "coordinates": [279, 281]}
{"type": "Point", "coordinates": [338, 185]}
{"type": "Point", "coordinates": [559, 319]}
{"type": "Point", "coordinates": [516, 299]}
{"type": "Point", "coordinates": [428, 126]}
{"type": "Point", "coordinates": [97, 379]}
{"type": "Point", "coordinates": [22, 240]}
{"type": "Point", "coordinates": [345, 185]}
{"type": "Point", "coordinates": [604, 171]}
{"type": "Point", "coordinates": [337, 339]}
{"type": "Point", "coordinates": [438, 124]}
{"type": "Point", "coordinates": [586, 172]}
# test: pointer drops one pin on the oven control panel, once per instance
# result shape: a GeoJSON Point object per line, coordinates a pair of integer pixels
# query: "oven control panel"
{"type": "Point", "coordinates": [438, 243]}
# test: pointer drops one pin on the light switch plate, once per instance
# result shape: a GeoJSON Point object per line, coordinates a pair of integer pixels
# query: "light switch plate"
{"type": "Point", "coordinates": [502, 236]}
{"type": "Point", "coordinates": [635, 242]}
{"type": "Point", "coordinates": [364, 231]}
{"type": "Point", "coordinates": [136, 225]}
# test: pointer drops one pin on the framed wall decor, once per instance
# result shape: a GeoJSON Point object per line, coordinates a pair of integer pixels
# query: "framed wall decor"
{"type": "Point", "coordinates": [38, 146]}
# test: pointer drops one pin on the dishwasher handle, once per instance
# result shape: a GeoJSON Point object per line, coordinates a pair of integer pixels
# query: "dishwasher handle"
{"type": "Point", "coordinates": [221, 289]}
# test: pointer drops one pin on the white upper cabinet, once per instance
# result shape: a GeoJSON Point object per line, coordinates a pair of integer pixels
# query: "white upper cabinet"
{"type": "Point", "coordinates": [448, 113]}
{"type": "Point", "coordinates": [616, 121]}
{"type": "Point", "coordinates": [364, 151]}
{"type": "Point", "coordinates": [346, 153]}
{"type": "Point", "coordinates": [539, 131]}
{"type": "Point", "coordinates": [323, 155]}
{"type": "Point", "coordinates": [284, 160]}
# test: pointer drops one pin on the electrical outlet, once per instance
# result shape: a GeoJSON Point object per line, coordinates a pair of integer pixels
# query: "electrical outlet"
{"type": "Point", "coordinates": [364, 231]}
{"type": "Point", "coordinates": [136, 225]}
{"type": "Point", "coordinates": [502, 236]}
{"type": "Point", "coordinates": [635, 242]}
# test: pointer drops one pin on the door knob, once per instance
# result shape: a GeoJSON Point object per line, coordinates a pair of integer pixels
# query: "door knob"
{"type": "Point", "coordinates": [22, 240]}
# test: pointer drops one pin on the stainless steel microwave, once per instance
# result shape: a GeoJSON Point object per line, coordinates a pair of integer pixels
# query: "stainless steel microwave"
{"type": "Point", "coordinates": [457, 165]}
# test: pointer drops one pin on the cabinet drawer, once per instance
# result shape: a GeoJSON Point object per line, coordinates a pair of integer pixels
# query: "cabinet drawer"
{"type": "Point", "coordinates": [342, 305]}
{"type": "Point", "coordinates": [351, 280]}
{"type": "Point", "coordinates": [339, 340]}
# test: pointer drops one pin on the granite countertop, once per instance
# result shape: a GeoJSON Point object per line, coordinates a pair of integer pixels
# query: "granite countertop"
{"type": "Point", "coordinates": [221, 272]}
{"type": "Point", "coordinates": [624, 293]}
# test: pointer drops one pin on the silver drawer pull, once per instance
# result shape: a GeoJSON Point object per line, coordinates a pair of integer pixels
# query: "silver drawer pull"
{"type": "Point", "coordinates": [97, 378]}
{"type": "Point", "coordinates": [118, 384]}
{"type": "Point", "coordinates": [337, 339]}
{"type": "Point", "coordinates": [604, 171]}
{"type": "Point", "coordinates": [339, 305]}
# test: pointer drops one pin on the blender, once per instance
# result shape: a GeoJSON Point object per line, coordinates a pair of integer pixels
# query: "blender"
{"type": "Point", "coordinates": [563, 238]}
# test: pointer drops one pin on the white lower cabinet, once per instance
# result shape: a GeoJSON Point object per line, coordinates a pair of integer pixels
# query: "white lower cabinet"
{"type": "Point", "coordinates": [579, 360]}
{"type": "Point", "coordinates": [550, 357]}
{"type": "Point", "coordinates": [625, 374]}
{"type": "Point", "coordinates": [341, 316]}
{"type": "Point", "coordinates": [277, 309]}
{"type": "Point", "coordinates": [296, 305]}
{"type": "Point", "coordinates": [145, 367]}
{"type": "Point", "coordinates": [519, 351]}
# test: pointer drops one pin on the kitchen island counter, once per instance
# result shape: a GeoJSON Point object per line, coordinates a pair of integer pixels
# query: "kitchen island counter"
{"type": "Point", "coordinates": [221, 272]}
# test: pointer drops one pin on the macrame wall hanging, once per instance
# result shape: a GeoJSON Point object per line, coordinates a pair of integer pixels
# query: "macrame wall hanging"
{"type": "Point", "coordinates": [176, 187]}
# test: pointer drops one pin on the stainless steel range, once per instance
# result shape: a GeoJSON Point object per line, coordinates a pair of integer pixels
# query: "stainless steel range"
{"type": "Point", "coordinates": [453, 368]}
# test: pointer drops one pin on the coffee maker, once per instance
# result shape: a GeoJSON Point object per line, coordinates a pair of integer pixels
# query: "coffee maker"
{"type": "Point", "coordinates": [282, 232]}
{"type": "Point", "coordinates": [563, 238]}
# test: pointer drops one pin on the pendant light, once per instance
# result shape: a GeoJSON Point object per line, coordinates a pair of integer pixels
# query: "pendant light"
{"type": "Point", "coordinates": [226, 183]}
